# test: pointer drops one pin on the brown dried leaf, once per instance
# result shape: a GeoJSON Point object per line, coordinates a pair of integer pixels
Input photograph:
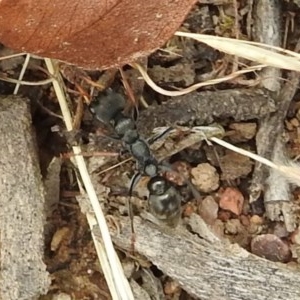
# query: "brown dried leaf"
{"type": "Point", "coordinates": [92, 34]}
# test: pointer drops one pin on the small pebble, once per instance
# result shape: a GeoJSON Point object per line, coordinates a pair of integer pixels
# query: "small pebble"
{"type": "Point", "coordinates": [188, 210]}
{"type": "Point", "coordinates": [182, 172]}
{"type": "Point", "coordinates": [233, 226]}
{"type": "Point", "coordinates": [128, 267]}
{"type": "Point", "coordinates": [257, 220]}
{"type": "Point", "coordinates": [270, 247]}
{"type": "Point", "coordinates": [58, 237]}
{"type": "Point", "coordinates": [295, 251]}
{"type": "Point", "coordinates": [218, 228]}
{"type": "Point", "coordinates": [294, 122]}
{"type": "Point", "coordinates": [254, 229]}
{"type": "Point", "coordinates": [205, 178]}
{"type": "Point", "coordinates": [245, 220]}
{"type": "Point", "coordinates": [289, 126]}
{"type": "Point", "coordinates": [235, 165]}
{"type": "Point", "coordinates": [183, 168]}
{"type": "Point", "coordinates": [295, 236]}
{"type": "Point", "coordinates": [280, 230]}
{"type": "Point", "coordinates": [61, 296]}
{"type": "Point", "coordinates": [208, 210]}
{"type": "Point", "coordinates": [294, 265]}
{"type": "Point", "coordinates": [232, 199]}
{"type": "Point", "coordinates": [171, 287]}
{"type": "Point", "coordinates": [243, 132]}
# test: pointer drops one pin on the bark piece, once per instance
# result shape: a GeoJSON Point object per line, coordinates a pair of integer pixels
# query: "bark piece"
{"type": "Point", "coordinates": [200, 108]}
{"type": "Point", "coordinates": [211, 271]}
{"type": "Point", "coordinates": [23, 272]}
{"type": "Point", "coordinates": [268, 140]}
{"type": "Point", "coordinates": [267, 29]}
{"type": "Point", "coordinates": [270, 145]}
{"type": "Point", "coordinates": [204, 107]}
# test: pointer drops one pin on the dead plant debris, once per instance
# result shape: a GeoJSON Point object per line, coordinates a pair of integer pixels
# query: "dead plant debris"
{"type": "Point", "coordinates": [214, 182]}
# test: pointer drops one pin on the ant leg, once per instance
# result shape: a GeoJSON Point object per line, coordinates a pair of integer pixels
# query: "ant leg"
{"type": "Point", "coordinates": [133, 182]}
{"type": "Point", "coordinates": [123, 152]}
{"type": "Point", "coordinates": [113, 137]}
{"type": "Point", "coordinates": [159, 135]}
{"type": "Point", "coordinates": [135, 113]}
{"type": "Point", "coordinates": [193, 189]}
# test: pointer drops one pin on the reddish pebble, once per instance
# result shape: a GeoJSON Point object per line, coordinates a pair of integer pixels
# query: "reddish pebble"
{"type": "Point", "coordinates": [182, 168]}
{"type": "Point", "coordinates": [208, 210]}
{"type": "Point", "coordinates": [182, 172]}
{"type": "Point", "coordinates": [270, 247]}
{"type": "Point", "coordinates": [188, 210]}
{"type": "Point", "coordinates": [232, 199]}
{"type": "Point", "coordinates": [244, 220]}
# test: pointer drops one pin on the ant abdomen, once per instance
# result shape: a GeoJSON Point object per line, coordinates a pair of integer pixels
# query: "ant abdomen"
{"type": "Point", "coordinates": [164, 201]}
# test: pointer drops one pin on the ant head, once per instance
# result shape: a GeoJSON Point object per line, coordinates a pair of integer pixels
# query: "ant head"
{"type": "Point", "coordinates": [106, 107]}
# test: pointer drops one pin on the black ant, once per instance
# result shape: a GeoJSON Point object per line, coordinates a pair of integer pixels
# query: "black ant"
{"type": "Point", "coordinates": [164, 199]}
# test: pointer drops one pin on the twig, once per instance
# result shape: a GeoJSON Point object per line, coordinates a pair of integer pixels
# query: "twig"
{"type": "Point", "coordinates": [237, 35]}
{"type": "Point", "coordinates": [24, 67]}
{"type": "Point", "coordinates": [250, 50]}
{"type": "Point", "coordinates": [197, 85]}
{"type": "Point", "coordinates": [48, 111]}
{"type": "Point", "coordinates": [289, 169]}
{"type": "Point", "coordinates": [115, 166]}
{"type": "Point", "coordinates": [113, 271]}
{"type": "Point", "coordinates": [33, 83]}
{"type": "Point", "coordinates": [12, 55]}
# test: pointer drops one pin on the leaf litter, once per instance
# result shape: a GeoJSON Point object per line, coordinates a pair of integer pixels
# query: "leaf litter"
{"type": "Point", "coordinates": [226, 207]}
